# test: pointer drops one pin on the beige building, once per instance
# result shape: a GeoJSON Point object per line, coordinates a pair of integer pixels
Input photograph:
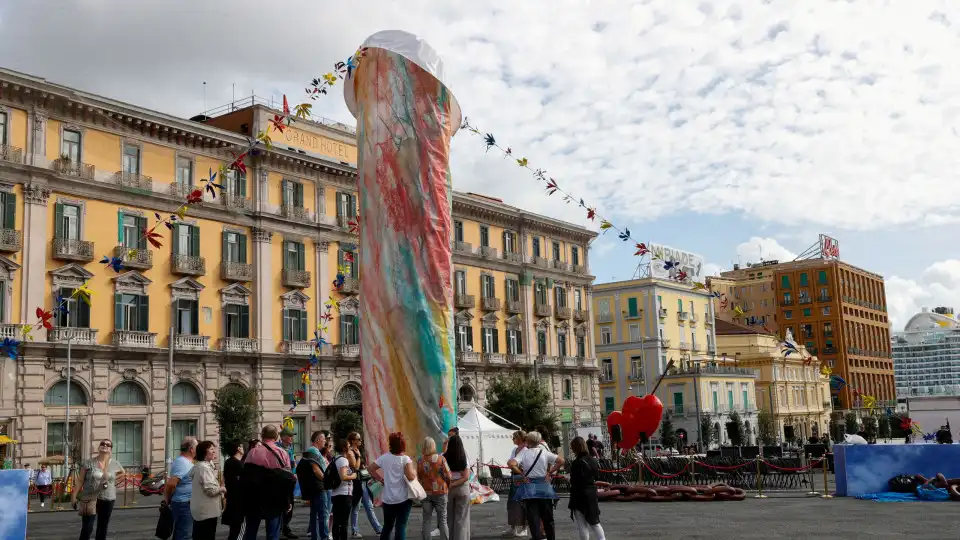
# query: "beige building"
{"type": "Point", "coordinates": [790, 387]}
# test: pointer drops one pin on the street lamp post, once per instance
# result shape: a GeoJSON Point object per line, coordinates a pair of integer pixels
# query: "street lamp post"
{"type": "Point", "coordinates": [68, 334]}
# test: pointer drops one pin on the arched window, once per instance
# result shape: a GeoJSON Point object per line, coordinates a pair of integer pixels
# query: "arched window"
{"type": "Point", "coordinates": [57, 395]}
{"type": "Point", "coordinates": [128, 393]}
{"type": "Point", "coordinates": [466, 394]}
{"type": "Point", "coordinates": [349, 394]}
{"type": "Point", "coordinates": [185, 393]}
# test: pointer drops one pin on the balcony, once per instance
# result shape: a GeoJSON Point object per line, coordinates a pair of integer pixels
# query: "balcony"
{"type": "Point", "coordinates": [605, 378]}
{"type": "Point", "coordinates": [546, 360]}
{"type": "Point", "coordinates": [11, 331]}
{"type": "Point", "coordinates": [559, 265]}
{"type": "Point", "coordinates": [579, 269]}
{"type": "Point", "coordinates": [513, 257]}
{"type": "Point", "coordinates": [235, 201]}
{"type": "Point", "coordinates": [346, 351]}
{"type": "Point", "coordinates": [468, 357]}
{"type": "Point", "coordinates": [183, 342]}
{"type": "Point", "coordinates": [581, 315]}
{"type": "Point", "coordinates": [490, 304]}
{"type": "Point", "coordinates": [684, 346]}
{"type": "Point", "coordinates": [824, 298]}
{"type": "Point", "coordinates": [464, 301]}
{"type": "Point", "coordinates": [134, 339]}
{"type": "Point", "coordinates": [236, 271]}
{"type": "Point", "coordinates": [10, 240]}
{"type": "Point", "coordinates": [588, 362]}
{"type": "Point", "coordinates": [11, 154]}
{"type": "Point", "coordinates": [682, 315]}
{"type": "Point", "coordinates": [665, 343]}
{"type": "Point", "coordinates": [812, 350]}
{"type": "Point", "coordinates": [563, 312]}
{"type": "Point", "coordinates": [78, 336]}
{"type": "Point", "coordinates": [133, 180]}
{"type": "Point", "coordinates": [299, 348]}
{"type": "Point", "coordinates": [568, 361]}
{"type": "Point", "coordinates": [181, 191]}
{"type": "Point", "coordinates": [487, 252]}
{"type": "Point", "coordinates": [239, 345]}
{"type": "Point", "coordinates": [514, 306]}
{"type": "Point", "coordinates": [538, 261]}
{"type": "Point", "coordinates": [77, 170]}
{"type": "Point", "coordinates": [663, 313]}
{"type": "Point", "coordinates": [805, 300]}
{"type": "Point", "coordinates": [188, 265]}
{"type": "Point", "coordinates": [494, 358]}
{"type": "Point", "coordinates": [65, 249]}
{"type": "Point", "coordinates": [351, 285]}
{"type": "Point", "coordinates": [676, 411]}
{"type": "Point", "coordinates": [463, 247]}
{"type": "Point", "coordinates": [786, 302]}
{"type": "Point", "coordinates": [518, 359]}
{"type": "Point", "coordinates": [134, 258]}
{"type": "Point", "coordinates": [542, 310]}
{"type": "Point", "coordinates": [297, 279]}
{"type": "Point", "coordinates": [633, 316]}
{"type": "Point", "coordinates": [296, 213]}
{"type": "Point", "coordinates": [605, 318]}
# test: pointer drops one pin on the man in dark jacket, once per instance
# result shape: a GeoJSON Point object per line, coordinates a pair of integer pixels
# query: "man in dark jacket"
{"type": "Point", "coordinates": [268, 483]}
{"type": "Point", "coordinates": [310, 474]}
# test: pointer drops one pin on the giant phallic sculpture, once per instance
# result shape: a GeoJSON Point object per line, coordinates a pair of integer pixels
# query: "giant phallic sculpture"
{"type": "Point", "coordinates": [406, 117]}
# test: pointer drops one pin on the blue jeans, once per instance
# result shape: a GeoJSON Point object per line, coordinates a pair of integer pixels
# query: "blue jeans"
{"type": "Point", "coordinates": [371, 515]}
{"type": "Point", "coordinates": [395, 518]}
{"type": "Point", "coordinates": [320, 516]}
{"type": "Point", "coordinates": [272, 524]}
{"type": "Point", "coordinates": [182, 520]}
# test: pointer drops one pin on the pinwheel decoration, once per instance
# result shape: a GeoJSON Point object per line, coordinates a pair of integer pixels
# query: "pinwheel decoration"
{"type": "Point", "coordinates": [837, 383]}
{"type": "Point", "coordinates": [43, 319]}
{"type": "Point", "coordinates": [10, 348]}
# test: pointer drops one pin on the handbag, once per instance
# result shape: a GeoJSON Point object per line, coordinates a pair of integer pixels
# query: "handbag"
{"type": "Point", "coordinates": [87, 508]}
{"type": "Point", "coordinates": [165, 523]}
{"type": "Point", "coordinates": [534, 490]}
{"type": "Point", "coordinates": [415, 491]}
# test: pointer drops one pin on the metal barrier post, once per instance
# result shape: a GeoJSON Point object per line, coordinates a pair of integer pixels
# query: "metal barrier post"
{"type": "Point", "coordinates": [826, 488]}
{"type": "Point", "coordinates": [639, 470]}
{"type": "Point", "coordinates": [759, 494]}
{"type": "Point", "coordinates": [813, 484]}
{"type": "Point", "coordinates": [125, 491]}
{"type": "Point", "coordinates": [693, 466]}
{"type": "Point", "coordinates": [135, 489]}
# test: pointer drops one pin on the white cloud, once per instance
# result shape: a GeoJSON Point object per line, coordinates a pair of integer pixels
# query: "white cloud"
{"type": "Point", "coordinates": [814, 112]}
{"type": "Point", "coordinates": [938, 285]}
{"type": "Point", "coordinates": [758, 249]}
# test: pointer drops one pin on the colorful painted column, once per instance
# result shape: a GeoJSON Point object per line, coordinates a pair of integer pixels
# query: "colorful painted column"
{"type": "Point", "coordinates": [406, 117]}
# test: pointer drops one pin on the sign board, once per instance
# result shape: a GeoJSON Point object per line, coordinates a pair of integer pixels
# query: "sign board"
{"type": "Point", "coordinates": [690, 263]}
{"type": "Point", "coordinates": [829, 247]}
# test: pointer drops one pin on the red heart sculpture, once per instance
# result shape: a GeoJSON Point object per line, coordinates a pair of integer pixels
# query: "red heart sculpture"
{"type": "Point", "coordinates": [614, 419]}
{"type": "Point", "coordinates": [640, 415]}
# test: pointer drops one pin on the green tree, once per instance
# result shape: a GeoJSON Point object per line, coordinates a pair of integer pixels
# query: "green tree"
{"type": "Point", "coordinates": [706, 430]}
{"type": "Point", "coordinates": [735, 429]}
{"type": "Point", "coordinates": [870, 427]}
{"type": "Point", "coordinates": [237, 414]}
{"type": "Point", "coordinates": [525, 402]}
{"type": "Point", "coordinates": [883, 427]}
{"type": "Point", "coordinates": [668, 436]}
{"type": "Point", "coordinates": [344, 422]}
{"type": "Point", "coordinates": [765, 428]}
{"type": "Point", "coordinates": [851, 423]}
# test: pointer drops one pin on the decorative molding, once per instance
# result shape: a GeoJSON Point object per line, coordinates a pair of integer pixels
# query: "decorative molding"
{"type": "Point", "coordinates": [261, 235]}
{"type": "Point", "coordinates": [322, 246]}
{"type": "Point", "coordinates": [235, 294]}
{"type": "Point", "coordinates": [543, 324]}
{"type": "Point", "coordinates": [72, 372]}
{"type": "Point", "coordinates": [463, 318]}
{"type": "Point", "coordinates": [350, 306]}
{"type": "Point", "coordinates": [70, 276]}
{"type": "Point", "coordinates": [295, 299]}
{"type": "Point", "coordinates": [489, 320]}
{"type": "Point", "coordinates": [186, 289]}
{"type": "Point", "coordinates": [234, 229]}
{"type": "Point", "coordinates": [580, 330]}
{"type": "Point", "coordinates": [131, 212]}
{"type": "Point", "coordinates": [36, 194]}
{"type": "Point", "coordinates": [131, 282]}
{"type": "Point", "coordinates": [237, 377]}
{"type": "Point", "coordinates": [563, 327]}
{"type": "Point", "coordinates": [130, 374]}
{"type": "Point", "coordinates": [514, 323]}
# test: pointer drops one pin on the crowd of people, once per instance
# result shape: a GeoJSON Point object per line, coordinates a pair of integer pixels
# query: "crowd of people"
{"type": "Point", "coordinates": [257, 488]}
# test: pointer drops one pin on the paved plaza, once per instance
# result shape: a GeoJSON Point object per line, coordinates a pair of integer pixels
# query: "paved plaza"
{"type": "Point", "coordinates": [777, 517]}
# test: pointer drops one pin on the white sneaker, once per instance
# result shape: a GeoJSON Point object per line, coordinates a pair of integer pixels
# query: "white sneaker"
{"type": "Point", "coordinates": [41, 505]}
{"type": "Point", "coordinates": [435, 532]}
{"type": "Point", "coordinates": [521, 533]}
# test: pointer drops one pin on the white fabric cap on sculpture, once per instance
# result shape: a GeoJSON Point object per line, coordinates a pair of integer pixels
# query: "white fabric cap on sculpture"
{"type": "Point", "coordinates": [413, 48]}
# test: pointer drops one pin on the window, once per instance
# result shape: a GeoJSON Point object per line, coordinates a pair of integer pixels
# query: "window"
{"type": "Point", "coordinates": [184, 172]}
{"type": "Point", "coordinates": [347, 207]}
{"type": "Point", "coordinates": [679, 305]}
{"type": "Point", "coordinates": [609, 404]}
{"type": "Point", "coordinates": [131, 231]}
{"type": "Point", "coordinates": [188, 317]}
{"type": "Point", "coordinates": [457, 231]}
{"type": "Point", "coordinates": [352, 267]}
{"type": "Point", "coordinates": [300, 439]}
{"type": "Point", "coordinates": [290, 384]}
{"type": "Point", "coordinates": [460, 282]}
{"type": "Point", "coordinates": [744, 390]}
{"type": "Point", "coordinates": [185, 393]}
{"type": "Point", "coordinates": [604, 308]}
{"type": "Point", "coordinates": [491, 340]}
{"type": "Point", "coordinates": [181, 429]}
{"type": "Point", "coordinates": [234, 247]}
{"type": "Point", "coordinates": [128, 443]}
{"type": "Point", "coordinates": [484, 236]}
{"type": "Point", "coordinates": [787, 299]}
{"type": "Point", "coordinates": [693, 339]}
{"type": "Point", "coordinates": [577, 299]}
{"type": "Point", "coordinates": [349, 330]}
{"type": "Point", "coordinates": [606, 368]}
{"type": "Point", "coordinates": [678, 402]}
{"type": "Point", "coordinates": [634, 332]}
{"type": "Point", "coordinates": [235, 183]}
{"type": "Point", "coordinates": [730, 396]}
{"type": "Point", "coordinates": [56, 396]}
{"type": "Point", "coordinates": [292, 193]}
{"type": "Point", "coordinates": [56, 439]}
{"type": "Point", "coordinates": [70, 146]}
{"type": "Point", "coordinates": [536, 246]}
{"type": "Point", "coordinates": [659, 302]}
{"type": "Point", "coordinates": [605, 335]}
{"type": "Point", "coordinates": [806, 312]}
{"type": "Point", "coordinates": [514, 341]}
{"type": "Point", "coordinates": [131, 312]}
{"type": "Point", "coordinates": [822, 277]}
{"type": "Point", "coordinates": [66, 221]}
{"type": "Point", "coordinates": [636, 368]}
{"type": "Point", "coordinates": [542, 343]}
{"type": "Point", "coordinates": [561, 295]}
{"type": "Point", "coordinates": [692, 310]}
{"type": "Point", "coordinates": [76, 313]}
{"type": "Point", "coordinates": [295, 325]}
{"type": "Point", "coordinates": [715, 391]}
{"type": "Point", "coordinates": [581, 347]}
{"type": "Point", "coordinates": [632, 309]}
{"type": "Point", "coordinates": [237, 321]}
{"type": "Point", "coordinates": [575, 255]}
{"type": "Point", "coordinates": [784, 282]}
{"type": "Point", "coordinates": [585, 388]}
{"type": "Point", "coordinates": [556, 251]}
{"type": "Point", "coordinates": [3, 128]}
{"type": "Point", "coordinates": [540, 292]}
{"type": "Point", "coordinates": [807, 330]}
{"type": "Point", "coordinates": [509, 242]}
{"type": "Point", "coordinates": [803, 279]}
{"type": "Point", "coordinates": [827, 329]}
{"type": "Point", "coordinates": [186, 241]}
{"type": "Point", "coordinates": [488, 286]}
{"type": "Point", "coordinates": [561, 345]}
{"type": "Point", "coordinates": [512, 288]}
{"type": "Point", "coordinates": [131, 159]}
{"type": "Point", "coordinates": [825, 311]}
{"type": "Point", "coordinates": [824, 293]}
{"type": "Point", "coordinates": [464, 338]}
{"type": "Point", "coordinates": [128, 393]}
{"type": "Point", "coordinates": [294, 258]}
{"type": "Point", "coordinates": [567, 388]}
{"type": "Point", "coordinates": [788, 314]}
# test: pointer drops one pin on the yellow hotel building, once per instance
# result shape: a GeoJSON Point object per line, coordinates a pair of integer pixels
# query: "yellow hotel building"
{"type": "Point", "coordinates": [81, 176]}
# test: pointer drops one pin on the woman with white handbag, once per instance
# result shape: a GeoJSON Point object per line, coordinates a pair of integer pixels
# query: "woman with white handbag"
{"type": "Point", "coordinates": [396, 471]}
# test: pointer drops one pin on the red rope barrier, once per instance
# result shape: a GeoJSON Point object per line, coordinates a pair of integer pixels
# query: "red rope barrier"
{"type": "Point", "coordinates": [723, 467]}
{"type": "Point", "coordinates": [618, 470]}
{"type": "Point", "coordinates": [793, 469]}
{"type": "Point", "coordinates": [666, 477]}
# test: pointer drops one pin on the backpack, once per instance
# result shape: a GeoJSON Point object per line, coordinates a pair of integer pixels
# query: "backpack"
{"type": "Point", "coordinates": [331, 476]}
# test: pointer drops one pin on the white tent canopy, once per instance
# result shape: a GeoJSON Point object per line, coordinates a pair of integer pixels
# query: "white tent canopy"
{"type": "Point", "coordinates": [484, 439]}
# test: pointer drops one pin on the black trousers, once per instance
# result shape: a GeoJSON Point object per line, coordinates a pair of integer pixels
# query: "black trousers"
{"type": "Point", "coordinates": [540, 511]}
{"type": "Point", "coordinates": [102, 519]}
{"type": "Point", "coordinates": [288, 516]}
{"type": "Point", "coordinates": [205, 529]}
{"type": "Point", "coordinates": [236, 530]}
{"type": "Point", "coordinates": [342, 505]}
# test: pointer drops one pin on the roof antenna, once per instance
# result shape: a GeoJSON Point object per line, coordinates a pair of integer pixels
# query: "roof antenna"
{"type": "Point", "coordinates": [204, 97]}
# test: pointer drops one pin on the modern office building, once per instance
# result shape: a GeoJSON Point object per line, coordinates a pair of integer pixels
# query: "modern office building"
{"type": "Point", "coordinates": [82, 176]}
{"type": "Point", "coordinates": [926, 355]}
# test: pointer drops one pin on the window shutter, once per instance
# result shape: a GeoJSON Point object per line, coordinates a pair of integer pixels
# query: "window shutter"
{"type": "Point", "coordinates": [355, 265]}
{"type": "Point", "coordinates": [353, 204]}
{"type": "Point", "coordinates": [286, 323]}
{"type": "Point", "coordinates": [303, 325]}
{"type": "Point", "coordinates": [9, 210]}
{"type": "Point", "coordinates": [58, 231]}
{"type": "Point", "coordinates": [286, 254]}
{"type": "Point", "coordinates": [496, 340]}
{"type": "Point", "coordinates": [505, 241]}
{"type": "Point", "coordinates": [141, 229]}
{"type": "Point", "coordinates": [120, 228]}
{"type": "Point", "coordinates": [244, 321]}
{"type": "Point", "coordinates": [241, 184]}
{"type": "Point", "coordinates": [195, 317]}
{"type": "Point", "coordinates": [176, 238]}
{"type": "Point", "coordinates": [343, 330]}
{"type": "Point", "coordinates": [339, 203]}
{"type": "Point", "coordinates": [284, 198]}
{"type": "Point", "coordinates": [223, 246]}
{"type": "Point", "coordinates": [457, 341]}
{"type": "Point", "coordinates": [195, 241]}
{"type": "Point", "coordinates": [242, 240]}
{"type": "Point", "coordinates": [298, 195]}
{"type": "Point", "coordinates": [118, 311]}
{"type": "Point", "coordinates": [519, 341]}
{"type": "Point", "coordinates": [143, 313]}
{"type": "Point", "coordinates": [470, 336]}
{"type": "Point", "coordinates": [301, 258]}
{"type": "Point", "coordinates": [83, 314]}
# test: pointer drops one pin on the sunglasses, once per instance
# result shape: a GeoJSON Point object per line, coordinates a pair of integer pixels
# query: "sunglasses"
{"type": "Point", "coordinates": [108, 445]}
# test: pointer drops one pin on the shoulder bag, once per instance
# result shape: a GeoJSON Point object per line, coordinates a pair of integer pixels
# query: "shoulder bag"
{"type": "Point", "coordinates": [415, 491]}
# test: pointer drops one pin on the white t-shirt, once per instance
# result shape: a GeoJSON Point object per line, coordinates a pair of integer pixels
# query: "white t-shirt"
{"type": "Point", "coordinates": [346, 486]}
{"type": "Point", "coordinates": [526, 459]}
{"type": "Point", "coordinates": [394, 478]}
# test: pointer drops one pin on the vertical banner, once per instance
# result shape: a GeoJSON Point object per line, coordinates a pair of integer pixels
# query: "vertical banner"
{"type": "Point", "coordinates": [406, 117]}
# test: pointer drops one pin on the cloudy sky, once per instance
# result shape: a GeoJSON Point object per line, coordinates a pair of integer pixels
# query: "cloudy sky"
{"type": "Point", "coordinates": [727, 128]}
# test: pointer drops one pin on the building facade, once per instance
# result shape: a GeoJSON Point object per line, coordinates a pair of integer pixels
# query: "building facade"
{"type": "Point", "coordinates": [82, 177]}
{"type": "Point", "coordinates": [926, 356]}
{"type": "Point", "coordinates": [789, 387]}
{"type": "Point", "coordinates": [836, 310]}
